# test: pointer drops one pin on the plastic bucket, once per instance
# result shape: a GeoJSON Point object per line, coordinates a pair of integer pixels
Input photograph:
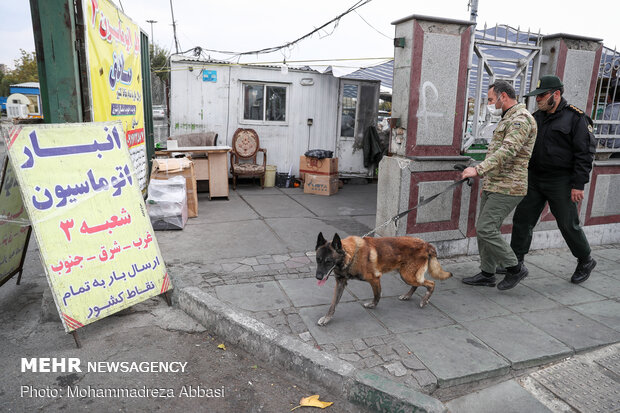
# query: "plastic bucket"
{"type": "Point", "coordinates": [270, 176]}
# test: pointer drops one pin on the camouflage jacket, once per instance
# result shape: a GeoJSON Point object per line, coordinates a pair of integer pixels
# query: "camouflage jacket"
{"type": "Point", "coordinates": [505, 166]}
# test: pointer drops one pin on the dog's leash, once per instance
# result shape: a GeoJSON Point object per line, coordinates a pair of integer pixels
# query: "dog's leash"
{"type": "Point", "coordinates": [425, 201]}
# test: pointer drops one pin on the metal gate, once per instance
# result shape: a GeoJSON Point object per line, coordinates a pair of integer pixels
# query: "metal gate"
{"type": "Point", "coordinates": [606, 113]}
{"type": "Point", "coordinates": [505, 53]}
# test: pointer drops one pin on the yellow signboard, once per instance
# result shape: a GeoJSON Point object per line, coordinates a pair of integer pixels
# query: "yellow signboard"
{"type": "Point", "coordinates": [95, 237]}
{"type": "Point", "coordinates": [14, 224]}
{"type": "Point", "coordinates": [115, 75]}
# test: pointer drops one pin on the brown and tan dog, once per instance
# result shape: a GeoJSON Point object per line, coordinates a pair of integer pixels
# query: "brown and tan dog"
{"type": "Point", "coordinates": [368, 258]}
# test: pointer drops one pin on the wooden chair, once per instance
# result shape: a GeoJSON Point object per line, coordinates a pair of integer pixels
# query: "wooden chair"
{"type": "Point", "coordinates": [245, 146]}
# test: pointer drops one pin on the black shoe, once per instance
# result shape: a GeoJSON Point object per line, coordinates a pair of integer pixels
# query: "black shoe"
{"type": "Point", "coordinates": [583, 270]}
{"type": "Point", "coordinates": [503, 270]}
{"type": "Point", "coordinates": [513, 278]}
{"type": "Point", "coordinates": [480, 279]}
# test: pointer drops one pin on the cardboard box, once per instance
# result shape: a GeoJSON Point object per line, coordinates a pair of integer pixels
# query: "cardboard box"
{"type": "Point", "coordinates": [316, 166]}
{"type": "Point", "coordinates": [168, 167]}
{"type": "Point", "coordinates": [321, 184]}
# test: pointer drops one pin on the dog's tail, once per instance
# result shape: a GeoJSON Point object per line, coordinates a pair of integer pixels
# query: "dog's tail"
{"type": "Point", "coordinates": [434, 268]}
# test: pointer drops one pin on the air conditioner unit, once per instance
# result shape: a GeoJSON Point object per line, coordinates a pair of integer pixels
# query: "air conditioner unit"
{"type": "Point", "coordinates": [16, 110]}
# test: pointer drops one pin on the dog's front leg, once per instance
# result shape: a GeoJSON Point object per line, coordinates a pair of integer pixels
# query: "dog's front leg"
{"type": "Point", "coordinates": [340, 284]}
{"type": "Point", "coordinates": [376, 291]}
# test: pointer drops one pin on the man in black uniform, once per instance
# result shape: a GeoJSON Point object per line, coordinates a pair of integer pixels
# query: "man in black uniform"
{"type": "Point", "coordinates": [558, 170]}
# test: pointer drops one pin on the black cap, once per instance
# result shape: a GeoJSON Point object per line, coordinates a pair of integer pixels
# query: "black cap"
{"type": "Point", "coordinates": [545, 84]}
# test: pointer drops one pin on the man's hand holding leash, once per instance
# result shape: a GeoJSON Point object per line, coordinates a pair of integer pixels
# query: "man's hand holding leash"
{"type": "Point", "coordinates": [469, 172]}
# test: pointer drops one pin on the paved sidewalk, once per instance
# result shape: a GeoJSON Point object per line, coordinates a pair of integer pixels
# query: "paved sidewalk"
{"type": "Point", "coordinates": [254, 253]}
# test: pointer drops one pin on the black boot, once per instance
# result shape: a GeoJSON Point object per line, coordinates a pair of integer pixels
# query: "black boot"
{"type": "Point", "coordinates": [583, 270]}
{"type": "Point", "coordinates": [503, 270]}
{"type": "Point", "coordinates": [482, 278]}
{"type": "Point", "coordinates": [513, 276]}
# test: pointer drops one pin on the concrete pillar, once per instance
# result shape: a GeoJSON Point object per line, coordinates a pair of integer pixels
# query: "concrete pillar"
{"type": "Point", "coordinates": [428, 107]}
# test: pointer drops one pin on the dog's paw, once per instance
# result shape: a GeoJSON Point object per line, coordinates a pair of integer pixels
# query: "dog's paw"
{"type": "Point", "coordinates": [404, 297]}
{"type": "Point", "coordinates": [370, 305]}
{"type": "Point", "coordinates": [324, 320]}
{"type": "Point", "coordinates": [423, 303]}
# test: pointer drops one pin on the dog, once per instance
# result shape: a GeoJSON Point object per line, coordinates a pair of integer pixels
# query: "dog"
{"type": "Point", "coordinates": [367, 258]}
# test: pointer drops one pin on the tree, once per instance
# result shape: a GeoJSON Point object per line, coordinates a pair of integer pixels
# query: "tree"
{"type": "Point", "coordinates": [25, 71]}
{"type": "Point", "coordinates": [160, 62]}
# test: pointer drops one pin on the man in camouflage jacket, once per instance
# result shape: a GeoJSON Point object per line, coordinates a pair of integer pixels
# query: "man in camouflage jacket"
{"type": "Point", "coordinates": [505, 184]}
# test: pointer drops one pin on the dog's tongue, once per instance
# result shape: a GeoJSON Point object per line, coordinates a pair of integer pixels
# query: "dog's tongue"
{"type": "Point", "coordinates": [321, 282]}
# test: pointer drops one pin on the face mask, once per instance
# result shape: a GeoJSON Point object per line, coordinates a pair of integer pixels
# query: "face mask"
{"type": "Point", "coordinates": [491, 109]}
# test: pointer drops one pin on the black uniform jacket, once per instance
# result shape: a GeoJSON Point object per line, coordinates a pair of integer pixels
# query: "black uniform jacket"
{"type": "Point", "coordinates": [565, 145]}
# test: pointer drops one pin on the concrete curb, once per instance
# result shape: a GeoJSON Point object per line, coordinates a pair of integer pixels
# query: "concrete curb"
{"type": "Point", "coordinates": [360, 387]}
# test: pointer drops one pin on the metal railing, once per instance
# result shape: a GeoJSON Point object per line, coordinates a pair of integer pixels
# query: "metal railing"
{"type": "Point", "coordinates": [606, 112]}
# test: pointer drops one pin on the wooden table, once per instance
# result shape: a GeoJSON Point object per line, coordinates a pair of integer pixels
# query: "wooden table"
{"type": "Point", "coordinates": [213, 168]}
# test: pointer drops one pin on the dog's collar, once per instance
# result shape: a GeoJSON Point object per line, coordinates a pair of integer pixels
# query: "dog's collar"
{"type": "Point", "coordinates": [346, 266]}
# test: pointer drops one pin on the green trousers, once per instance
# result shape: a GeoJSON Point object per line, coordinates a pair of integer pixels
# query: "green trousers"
{"type": "Point", "coordinates": [493, 249]}
{"type": "Point", "coordinates": [556, 191]}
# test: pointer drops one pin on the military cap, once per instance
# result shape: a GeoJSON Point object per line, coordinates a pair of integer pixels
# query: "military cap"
{"type": "Point", "coordinates": [545, 84]}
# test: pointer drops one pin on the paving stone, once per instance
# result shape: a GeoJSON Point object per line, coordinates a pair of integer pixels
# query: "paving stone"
{"type": "Point", "coordinates": [351, 357]}
{"type": "Point", "coordinates": [230, 267]}
{"type": "Point", "coordinates": [260, 267]}
{"type": "Point", "coordinates": [572, 328]}
{"type": "Point", "coordinates": [290, 310]}
{"type": "Point", "coordinates": [280, 258]}
{"type": "Point", "coordinates": [397, 369]}
{"type": "Point", "coordinates": [305, 336]}
{"type": "Point", "coordinates": [278, 266]}
{"type": "Point", "coordinates": [412, 383]}
{"type": "Point", "coordinates": [602, 284]}
{"type": "Point", "coordinates": [297, 328]}
{"type": "Point", "coordinates": [366, 353]}
{"type": "Point", "coordinates": [305, 292]}
{"type": "Point", "coordinates": [612, 254]}
{"type": "Point", "coordinates": [520, 299]}
{"type": "Point", "coordinates": [350, 321]}
{"type": "Point", "coordinates": [425, 378]}
{"type": "Point", "coordinates": [467, 304]}
{"type": "Point", "coordinates": [242, 268]}
{"type": "Point", "coordinates": [303, 259]}
{"type": "Point", "coordinates": [373, 341]}
{"type": "Point", "coordinates": [605, 312]}
{"type": "Point", "coordinates": [298, 254]}
{"type": "Point", "coordinates": [562, 291]}
{"type": "Point", "coordinates": [518, 341]}
{"type": "Point", "coordinates": [329, 348]}
{"type": "Point", "coordinates": [454, 355]}
{"type": "Point", "coordinates": [401, 316]}
{"type": "Point", "coordinates": [265, 296]}
{"type": "Point", "coordinates": [506, 397]}
{"type": "Point", "coordinates": [372, 361]}
{"type": "Point", "coordinates": [249, 261]}
{"type": "Point", "coordinates": [383, 350]}
{"type": "Point", "coordinates": [401, 350]}
{"type": "Point", "coordinates": [345, 347]}
{"type": "Point", "coordinates": [413, 363]}
{"type": "Point", "coordinates": [265, 260]}
{"type": "Point", "coordinates": [613, 273]}
{"type": "Point", "coordinates": [359, 344]}
{"type": "Point", "coordinates": [390, 357]}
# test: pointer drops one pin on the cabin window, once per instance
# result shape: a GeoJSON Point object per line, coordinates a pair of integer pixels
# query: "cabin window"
{"type": "Point", "coordinates": [264, 102]}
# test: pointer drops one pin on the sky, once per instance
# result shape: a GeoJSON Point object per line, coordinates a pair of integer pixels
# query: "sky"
{"type": "Point", "coordinates": [244, 25]}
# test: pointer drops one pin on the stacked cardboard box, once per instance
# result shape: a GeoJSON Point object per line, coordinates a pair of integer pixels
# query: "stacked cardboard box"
{"type": "Point", "coordinates": [320, 176]}
{"type": "Point", "coordinates": [168, 167]}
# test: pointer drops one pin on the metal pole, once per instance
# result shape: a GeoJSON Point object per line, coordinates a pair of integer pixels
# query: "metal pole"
{"type": "Point", "coordinates": [152, 21]}
{"type": "Point", "coordinates": [174, 28]}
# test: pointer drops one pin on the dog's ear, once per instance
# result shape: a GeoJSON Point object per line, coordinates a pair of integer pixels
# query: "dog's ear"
{"type": "Point", "coordinates": [336, 243]}
{"type": "Point", "coordinates": [320, 241]}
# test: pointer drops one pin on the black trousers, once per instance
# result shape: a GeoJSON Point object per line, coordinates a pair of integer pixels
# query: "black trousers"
{"type": "Point", "coordinates": [556, 191]}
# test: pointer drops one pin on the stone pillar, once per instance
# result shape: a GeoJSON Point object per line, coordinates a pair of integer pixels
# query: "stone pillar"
{"type": "Point", "coordinates": [575, 60]}
{"type": "Point", "coordinates": [428, 109]}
